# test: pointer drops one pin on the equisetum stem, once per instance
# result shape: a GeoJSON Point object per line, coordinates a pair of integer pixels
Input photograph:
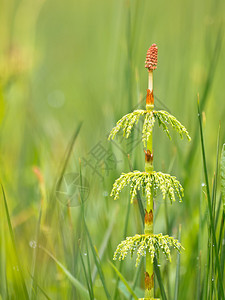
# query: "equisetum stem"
{"type": "Point", "coordinates": [150, 80]}
{"type": "Point", "coordinates": [149, 274]}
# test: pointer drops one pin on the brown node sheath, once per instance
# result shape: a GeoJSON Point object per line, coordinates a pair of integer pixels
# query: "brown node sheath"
{"type": "Point", "coordinates": [149, 97]}
{"type": "Point", "coordinates": [148, 156]}
{"type": "Point", "coordinates": [148, 217]}
{"type": "Point", "coordinates": [152, 58]}
{"type": "Point", "coordinates": [149, 281]}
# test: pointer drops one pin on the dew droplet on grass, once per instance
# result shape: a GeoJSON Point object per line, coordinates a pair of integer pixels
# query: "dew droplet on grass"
{"type": "Point", "coordinates": [33, 244]}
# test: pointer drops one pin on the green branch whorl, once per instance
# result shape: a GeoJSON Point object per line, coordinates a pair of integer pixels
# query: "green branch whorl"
{"type": "Point", "coordinates": [147, 242]}
{"type": "Point", "coordinates": [127, 122]}
{"type": "Point", "coordinates": [168, 184]}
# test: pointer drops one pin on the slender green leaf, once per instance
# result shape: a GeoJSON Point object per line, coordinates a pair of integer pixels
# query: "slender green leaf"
{"type": "Point", "coordinates": [221, 231]}
{"type": "Point", "coordinates": [59, 177]}
{"type": "Point", "coordinates": [14, 245]}
{"type": "Point", "coordinates": [91, 293]}
{"type": "Point", "coordinates": [123, 280]}
{"type": "Point", "coordinates": [205, 94]}
{"type": "Point", "coordinates": [177, 269]}
{"type": "Point", "coordinates": [96, 258]}
{"type": "Point", "coordinates": [159, 278]}
{"type": "Point", "coordinates": [72, 279]}
{"type": "Point", "coordinates": [214, 198]}
{"type": "Point", "coordinates": [3, 282]}
{"type": "Point", "coordinates": [136, 276]}
{"type": "Point", "coordinates": [33, 291]}
{"type": "Point", "coordinates": [40, 288]}
{"type": "Point", "coordinates": [124, 235]}
{"type": "Point", "coordinates": [89, 271]}
{"type": "Point", "coordinates": [222, 175]}
{"type": "Point", "coordinates": [220, 290]}
{"type": "Point", "coordinates": [199, 277]}
{"type": "Point", "coordinates": [106, 238]}
{"type": "Point", "coordinates": [222, 255]}
{"type": "Point", "coordinates": [123, 290]}
{"type": "Point", "coordinates": [218, 213]}
{"type": "Point", "coordinates": [97, 262]}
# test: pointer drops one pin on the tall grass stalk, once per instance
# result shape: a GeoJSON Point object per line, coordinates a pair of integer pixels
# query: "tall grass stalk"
{"type": "Point", "coordinates": [214, 249]}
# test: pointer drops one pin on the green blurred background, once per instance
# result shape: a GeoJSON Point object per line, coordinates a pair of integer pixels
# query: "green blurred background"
{"type": "Point", "coordinates": [66, 63]}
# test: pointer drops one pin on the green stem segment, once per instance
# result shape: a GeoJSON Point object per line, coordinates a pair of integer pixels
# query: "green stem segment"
{"type": "Point", "coordinates": [149, 274]}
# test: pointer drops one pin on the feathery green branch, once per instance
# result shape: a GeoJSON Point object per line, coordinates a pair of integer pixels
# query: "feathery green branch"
{"type": "Point", "coordinates": [147, 242]}
{"type": "Point", "coordinates": [168, 185]}
{"type": "Point", "coordinates": [127, 122]}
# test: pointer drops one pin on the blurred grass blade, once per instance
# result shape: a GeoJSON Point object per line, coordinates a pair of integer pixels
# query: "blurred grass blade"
{"type": "Point", "coordinates": [115, 296]}
{"type": "Point", "coordinates": [33, 291]}
{"type": "Point", "coordinates": [212, 67]}
{"type": "Point", "coordinates": [222, 255]}
{"type": "Point", "coordinates": [72, 279]}
{"type": "Point", "coordinates": [89, 270]}
{"type": "Point", "coordinates": [141, 207]}
{"type": "Point", "coordinates": [217, 263]}
{"type": "Point", "coordinates": [14, 244]}
{"type": "Point", "coordinates": [199, 287]}
{"type": "Point", "coordinates": [68, 154]}
{"type": "Point", "coordinates": [214, 194]}
{"type": "Point", "coordinates": [205, 94]}
{"type": "Point", "coordinates": [40, 288]}
{"type": "Point", "coordinates": [106, 239]}
{"type": "Point", "coordinates": [123, 290]}
{"type": "Point", "coordinates": [159, 278]}
{"type": "Point", "coordinates": [218, 211]}
{"type": "Point", "coordinates": [136, 276]}
{"type": "Point", "coordinates": [222, 175]}
{"type": "Point", "coordinates": [43, 292]}
{"type": "Point", "coordinates": [207, 277]}
{"type": "Point", "coordinates": [2, 103]}
{"type": "Point", "coordinates": [214, 198]}
{"type": "Point", "coordinates": [123, 280]}
{"type": "Point", "coordinates": [221, 231]}
{"type": "Point", "coordinates": [3, 282]}
{"type": "Point", "coordinates": [90, 290]}
{"type": "Point", "coordinates": [178, 268]}
{"type": "Point", "coordinates": [96, 258]}
{"type": "Point", "coordinates": [97, 262]}
{"type": "Point", "coordinates": [89, 285]}
{"type": "Point", "coordinates": [59, 177]}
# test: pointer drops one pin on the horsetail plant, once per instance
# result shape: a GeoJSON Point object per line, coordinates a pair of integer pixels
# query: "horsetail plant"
{"type": "Point", "coordinates": [148, 244]}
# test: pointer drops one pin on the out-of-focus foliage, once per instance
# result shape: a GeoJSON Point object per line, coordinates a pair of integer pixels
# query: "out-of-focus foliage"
{"type": "Point", "coordinates": [67, 62]}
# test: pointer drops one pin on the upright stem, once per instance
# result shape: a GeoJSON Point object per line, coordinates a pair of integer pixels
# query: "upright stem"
{"type": "Point", "coordinates": [150, 80]}
{"type": "Point", "coordinates": [149, 274]}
